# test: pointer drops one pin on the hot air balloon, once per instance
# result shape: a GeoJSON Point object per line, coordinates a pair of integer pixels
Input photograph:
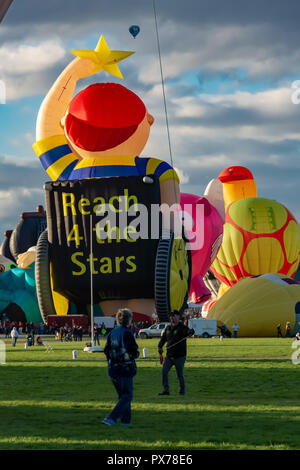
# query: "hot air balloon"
{"type": "Point", "coordinates": [134, 30]}
{"type": "Point", "coordinates": [258, 304]}
{"type": "Point", "coordinates": [260, 236]}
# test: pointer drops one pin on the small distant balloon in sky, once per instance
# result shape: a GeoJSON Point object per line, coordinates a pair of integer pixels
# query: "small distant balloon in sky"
{"type": "Point", "coordinates": [134, 30]}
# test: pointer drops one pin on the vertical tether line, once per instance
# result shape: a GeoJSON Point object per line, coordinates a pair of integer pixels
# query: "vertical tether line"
{"type": "Point", "coordinates": [162, 82]}
{"type": "Point", "coordinates": [91, 272]}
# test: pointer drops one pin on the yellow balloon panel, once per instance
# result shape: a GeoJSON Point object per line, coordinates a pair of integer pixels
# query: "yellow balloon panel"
{"type": "Point", "coordinates": [222, 289]}
{"type": "Point", "coordinates": [263, 255]}
{"type": "Point", "coordinates": [232, 245]}
{"type": "Point", "coordinates": [60, 302]}
{"type": "Point", "coordinates": [223, 270]}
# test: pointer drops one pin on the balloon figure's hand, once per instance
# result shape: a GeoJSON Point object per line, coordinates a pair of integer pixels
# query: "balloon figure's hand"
{"type": "Point", "coordinates": [25, 259]}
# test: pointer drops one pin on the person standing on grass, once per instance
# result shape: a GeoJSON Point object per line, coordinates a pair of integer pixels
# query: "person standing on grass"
{"type": "Point", "coordinates": [121, 351]}
{"type": "Point", "coordinates": [235, 328]}
{"type": "Point", "coordinates": [14, 335]}
{"type": "Point", "coordinates": [288, 330]}
{"type": "Point", "coordinates": [175, 336]}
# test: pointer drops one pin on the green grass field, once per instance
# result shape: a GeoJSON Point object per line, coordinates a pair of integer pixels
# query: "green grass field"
{"type": "Point", "coordinates": [241, 394]}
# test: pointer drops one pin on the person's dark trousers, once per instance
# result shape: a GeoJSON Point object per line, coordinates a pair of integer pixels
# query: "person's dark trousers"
{"type": "Point", "coordinates": [122, 410]}
{"type": "Point", "coordinates": [178, 362]}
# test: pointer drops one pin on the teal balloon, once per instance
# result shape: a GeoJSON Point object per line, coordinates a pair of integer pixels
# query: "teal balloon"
{"type": "Point", "coordinates": [18, 286]}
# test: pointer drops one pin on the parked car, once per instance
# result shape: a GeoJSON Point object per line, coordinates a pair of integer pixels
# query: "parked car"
{"type": "Point", "coordinates": [154, 331]}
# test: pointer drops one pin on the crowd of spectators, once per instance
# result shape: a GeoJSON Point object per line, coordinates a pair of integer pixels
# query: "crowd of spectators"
{"type": "Point", "coordinates": [23, 328]}
{"type": "Point", "coordinates": [66, 332]}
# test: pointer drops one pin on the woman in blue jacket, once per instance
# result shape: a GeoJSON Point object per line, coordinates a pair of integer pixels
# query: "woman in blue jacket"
{"type": "Point", "coordinates": [121, 351]}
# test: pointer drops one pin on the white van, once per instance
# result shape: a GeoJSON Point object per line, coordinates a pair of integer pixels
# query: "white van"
{"type": "Point", "coordinates": [204, 327]}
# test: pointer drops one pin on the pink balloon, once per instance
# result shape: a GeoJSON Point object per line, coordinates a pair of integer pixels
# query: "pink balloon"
{"type": "Point", "coordinates": [204, 229]}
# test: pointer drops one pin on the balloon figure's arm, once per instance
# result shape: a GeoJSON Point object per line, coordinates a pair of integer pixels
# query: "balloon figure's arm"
{"type": "Point", "coordinates": [57, 100]}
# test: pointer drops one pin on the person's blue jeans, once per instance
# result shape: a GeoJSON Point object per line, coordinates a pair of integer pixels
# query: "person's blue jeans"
{"type": "Point", "coordinates": [169, 362]}
{"type": "Point", "coordinates": [124, 388]}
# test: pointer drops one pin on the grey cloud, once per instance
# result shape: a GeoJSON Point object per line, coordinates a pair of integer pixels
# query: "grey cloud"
{"type": "Point", "coordinates": [27, 175]}
{"type": "Point", "coordinates": [190, 11]}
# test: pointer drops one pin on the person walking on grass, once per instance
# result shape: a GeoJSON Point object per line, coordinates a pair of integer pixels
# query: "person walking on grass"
{"type": "Point", "coordinates": [14, 336]}
{"type": "Point", "coordinates": [121, 351]}
{"type": "Point", "coordinates": [175, 336]}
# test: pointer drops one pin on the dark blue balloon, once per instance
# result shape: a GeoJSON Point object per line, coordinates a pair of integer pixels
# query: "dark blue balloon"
{"type": "Point", "coordinates": [134, 30]}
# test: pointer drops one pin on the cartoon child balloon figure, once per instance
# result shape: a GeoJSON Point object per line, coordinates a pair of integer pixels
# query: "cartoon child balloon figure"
{"type": "Point", "coordinates": [101, 132]}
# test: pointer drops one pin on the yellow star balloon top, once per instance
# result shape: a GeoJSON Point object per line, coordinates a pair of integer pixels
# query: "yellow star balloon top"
{"type": "Point", "coordinates": [104, 58]}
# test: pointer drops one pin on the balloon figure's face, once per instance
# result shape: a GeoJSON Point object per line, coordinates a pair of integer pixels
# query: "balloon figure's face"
{"type": "Point", "coordinates": [260, 236]}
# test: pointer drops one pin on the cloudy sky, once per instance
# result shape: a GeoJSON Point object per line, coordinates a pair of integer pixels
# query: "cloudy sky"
{"type": "Point", "coordinates": [229, 66]}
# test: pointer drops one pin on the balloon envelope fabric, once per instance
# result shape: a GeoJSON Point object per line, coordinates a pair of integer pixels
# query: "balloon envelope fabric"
{"type": "Point", "coordinates": [259, 304]}
{"type": "Point", "coordinates": [260, 236]}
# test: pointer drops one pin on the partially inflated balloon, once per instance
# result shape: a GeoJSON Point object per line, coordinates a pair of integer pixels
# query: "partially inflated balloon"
{"type": "Point", "coordinates": [204, 227]}
{"type": "Point", "coordinates": [259, 304]}
{"type": "Point", "coordinates": [260, 236]}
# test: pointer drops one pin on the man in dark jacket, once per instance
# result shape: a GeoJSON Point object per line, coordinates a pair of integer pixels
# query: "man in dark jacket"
{"type": "Point", "coordinates": [121, 351]}
{"type": "Point", "coordinates": [175, 336]}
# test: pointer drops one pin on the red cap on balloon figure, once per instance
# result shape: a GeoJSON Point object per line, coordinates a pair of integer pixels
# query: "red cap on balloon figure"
{"type": "Point", "coordinates": [103, 116]}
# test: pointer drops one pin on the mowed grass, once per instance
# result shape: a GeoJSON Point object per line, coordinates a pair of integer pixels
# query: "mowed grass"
{"type": "Point", "coordinates": [241, 394]}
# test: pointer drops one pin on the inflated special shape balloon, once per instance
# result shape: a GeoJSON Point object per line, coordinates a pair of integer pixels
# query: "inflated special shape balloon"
{"type": "Point", "coordinates": [204, 229]}
{"type": "Point", "coordinates": [134, 30]}
{"type": "Point", "coordinates": [100, 134]}
{"type": "Point", "coordinates": [260, 236]}
{"type": "Point", "coordinates": [259, 304]}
